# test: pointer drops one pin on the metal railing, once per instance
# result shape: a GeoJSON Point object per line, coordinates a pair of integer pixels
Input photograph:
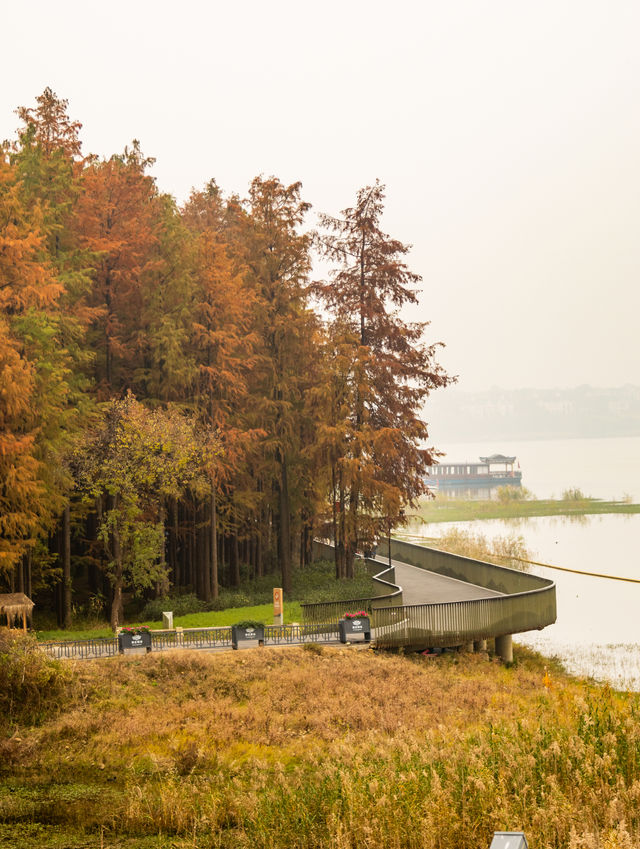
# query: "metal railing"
{"type": "Point", "coordinates": [454, 623]}
{"type": "Point", "coordinates": [276, 635]}
{"type": "Point", "coordinates": [527, 602]}
{"type": "Point", "coordinates": [81, 649]}
{"type": "Point", "coordinates": [332, 611]}
{"type": "Point", "coordinates": [205, 638]}
{"type": "Point", "coordinates": [193, 638]}
{"type": "Point", "coordinates": [502, 579]}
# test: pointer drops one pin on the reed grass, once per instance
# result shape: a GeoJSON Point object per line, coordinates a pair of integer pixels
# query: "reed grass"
{"type": "Point", "coordinates": [508, 550]}
{"type": "Point", "coordinates": [338, 748]}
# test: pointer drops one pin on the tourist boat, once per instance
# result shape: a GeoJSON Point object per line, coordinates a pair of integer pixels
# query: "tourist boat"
{"type": "Point", "coordinates": [496, 470]}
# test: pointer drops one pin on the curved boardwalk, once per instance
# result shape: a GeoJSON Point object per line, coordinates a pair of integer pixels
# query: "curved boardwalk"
{"type": "Point", "coordinates": [421, 586]}
{"type": "Point", "coordinates": [427, 599]}
{"type": "Point", "coordinates": [430, 599]}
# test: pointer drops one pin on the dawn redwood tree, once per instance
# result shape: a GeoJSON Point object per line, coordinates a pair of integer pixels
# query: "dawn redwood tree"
{"type": "Point", "coordinates": [384, 460]}
{"type": "Point", "coordinates": [166, 367]}
{"type": "Point", "coordinates": [47, 159]}
{"type": "Point", "coordinates": [278, 261]}
{"type": "Point", "coordinates": [55, 132]}
{"type": "Point", "coordinates": [223, 343]}
{"type": "Point", "coordinates": [28, 289]}
{"type": "Point", "coordinates": [330, 404]}
{"type": "Point", "coordinates": [118, 218]}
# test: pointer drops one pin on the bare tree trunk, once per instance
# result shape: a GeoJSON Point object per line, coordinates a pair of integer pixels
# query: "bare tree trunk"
{"type": "Point", "coordinates": [175, 541]}
{"type": "Point", "coordinates": [222, 564]}
{"type": "Point", "coordinates": [20, 567]}
{"type": "Point", "coordinates": [28, 565]}
{"type": "Point", "coordinates": [206, 545]}
{"type": "Point", "coordinates": [259, 551]}
{"type": "Point", "coordinates": [285, 537]}
{"type": "Point", "coordinates": [162, 586]}
{"type": "Point", "coordinates": [253, 544]}
{"type": "Point", "coordinates": [334, 519]}
{"type": "Point", "coordinates": [215, 590]}
{"type": "Point", "coordinates": [66, 567]}
{"type": "Point", "coordinates": [117, 613]}
{"type": "Point", "coordinates": [235, 559]}
{"type": "Point", "coordinates": [192, 552]}
{"type": "Point", "coordinates": [202, 562]}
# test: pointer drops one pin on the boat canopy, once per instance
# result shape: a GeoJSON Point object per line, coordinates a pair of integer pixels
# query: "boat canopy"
{"type": "Point", "coordinates": [498, 458]}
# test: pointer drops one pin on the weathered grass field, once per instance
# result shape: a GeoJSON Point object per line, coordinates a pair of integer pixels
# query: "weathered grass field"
{"type": "Point", "coordinates": [313, 748]}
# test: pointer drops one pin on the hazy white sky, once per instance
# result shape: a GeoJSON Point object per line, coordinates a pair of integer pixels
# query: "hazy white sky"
{"type": "Point", "coordinates": [507, 134]}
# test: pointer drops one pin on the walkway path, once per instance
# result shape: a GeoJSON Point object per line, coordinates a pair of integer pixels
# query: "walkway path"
{"type": "Point", "coordinates": [419, 586]}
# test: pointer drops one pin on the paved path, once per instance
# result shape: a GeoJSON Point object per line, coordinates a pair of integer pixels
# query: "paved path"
{"type": "Point", "coordinates": [419, 586]}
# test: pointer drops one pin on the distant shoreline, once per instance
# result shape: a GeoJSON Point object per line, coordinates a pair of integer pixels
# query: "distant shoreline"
{"type": "Point", "coordinates": [582, 412]}
{"type": "Point", "coordinates": [463, 510]}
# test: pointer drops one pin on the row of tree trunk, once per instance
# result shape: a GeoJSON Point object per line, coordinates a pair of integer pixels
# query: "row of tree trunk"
{"type": "Point", "coordinates": [202, 552]}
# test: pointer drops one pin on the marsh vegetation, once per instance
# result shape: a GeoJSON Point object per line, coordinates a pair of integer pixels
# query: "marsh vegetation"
{"type": "Point", "coordinates": [318, 748]}
{"type": "Point", "coordinates": [444, 508]}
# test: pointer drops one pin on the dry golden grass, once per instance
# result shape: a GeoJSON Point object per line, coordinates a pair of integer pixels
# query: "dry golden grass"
{"type": "Point", "coordinates": [338, 748]}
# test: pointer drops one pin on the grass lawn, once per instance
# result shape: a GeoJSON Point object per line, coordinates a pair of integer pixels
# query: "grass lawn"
{"type": "Point", "coordinates": [252, 600]}
{"type": "Point", "coordinates": [207, 619]}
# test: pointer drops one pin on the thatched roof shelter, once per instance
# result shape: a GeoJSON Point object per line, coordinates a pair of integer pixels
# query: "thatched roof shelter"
{"type": "Point", "coordinates": [14, 605]}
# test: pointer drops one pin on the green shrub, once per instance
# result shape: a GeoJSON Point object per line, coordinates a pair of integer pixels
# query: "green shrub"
{"type": "Point", "coordinates": [33, 686]}
{"type": "Point", "coordinates": [179, 604]}
{"type": "Point", "coordinates": [249, 623]}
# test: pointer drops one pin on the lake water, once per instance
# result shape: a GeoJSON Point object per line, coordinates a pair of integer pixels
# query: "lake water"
{"type": "Point", "coordinates": [598, 628]}
{"type": "Point", "coordinates": [603, 468]}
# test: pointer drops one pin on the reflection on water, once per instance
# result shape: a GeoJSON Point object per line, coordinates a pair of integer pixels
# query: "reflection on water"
{"type": "Point", "coordinates": [603, 468]}
{"type": "Point", "coordinates": [469, 493]}
{"type": "Point", "coordinates": [598, 629]}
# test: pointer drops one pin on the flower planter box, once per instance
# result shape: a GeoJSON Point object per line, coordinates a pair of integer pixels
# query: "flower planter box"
{"type": "Point", "coordinates": [351, 627]}
{"type": "Point", "coordinates": [247, 634]}
{"type": "Point", "coordinates": [128, 641]}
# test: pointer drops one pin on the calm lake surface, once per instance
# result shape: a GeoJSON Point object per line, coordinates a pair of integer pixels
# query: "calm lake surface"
{"type": "Point", "coordinates": [598, 628]}
{"type": "Point", "coordinates": [603, 468]}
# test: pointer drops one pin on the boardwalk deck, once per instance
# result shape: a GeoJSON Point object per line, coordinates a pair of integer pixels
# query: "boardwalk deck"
{"type": "Point", "coordinates": [421, 586]}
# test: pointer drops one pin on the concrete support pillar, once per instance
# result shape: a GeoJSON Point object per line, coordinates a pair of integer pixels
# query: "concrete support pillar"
{"type": "Point", "coordinates": [480, 645]}
{"type": "Point", "coordinates": [504, 648]}
{"type": "Point", "coordinates": [466, 647]}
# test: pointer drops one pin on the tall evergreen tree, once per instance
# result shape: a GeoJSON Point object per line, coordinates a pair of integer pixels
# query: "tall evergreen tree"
{"type": "Point", "coordinates": [277, 256]}
{"type": "Point", "coordinates": [47, 159]}
{"type": "Point", "coordinates": [392, 371]}
{"type": "Point", "coordinates": [224, 344]}
{"type": "Point", "coordinates": [27, 288]}
{"type": "Point", "coordinates": [117, 220]}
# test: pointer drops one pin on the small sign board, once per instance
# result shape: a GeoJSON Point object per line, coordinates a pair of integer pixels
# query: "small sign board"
{"type": "Point", "coordinates": [349, 627]}
{"type": "Point", "coordinates": [278, 606]}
